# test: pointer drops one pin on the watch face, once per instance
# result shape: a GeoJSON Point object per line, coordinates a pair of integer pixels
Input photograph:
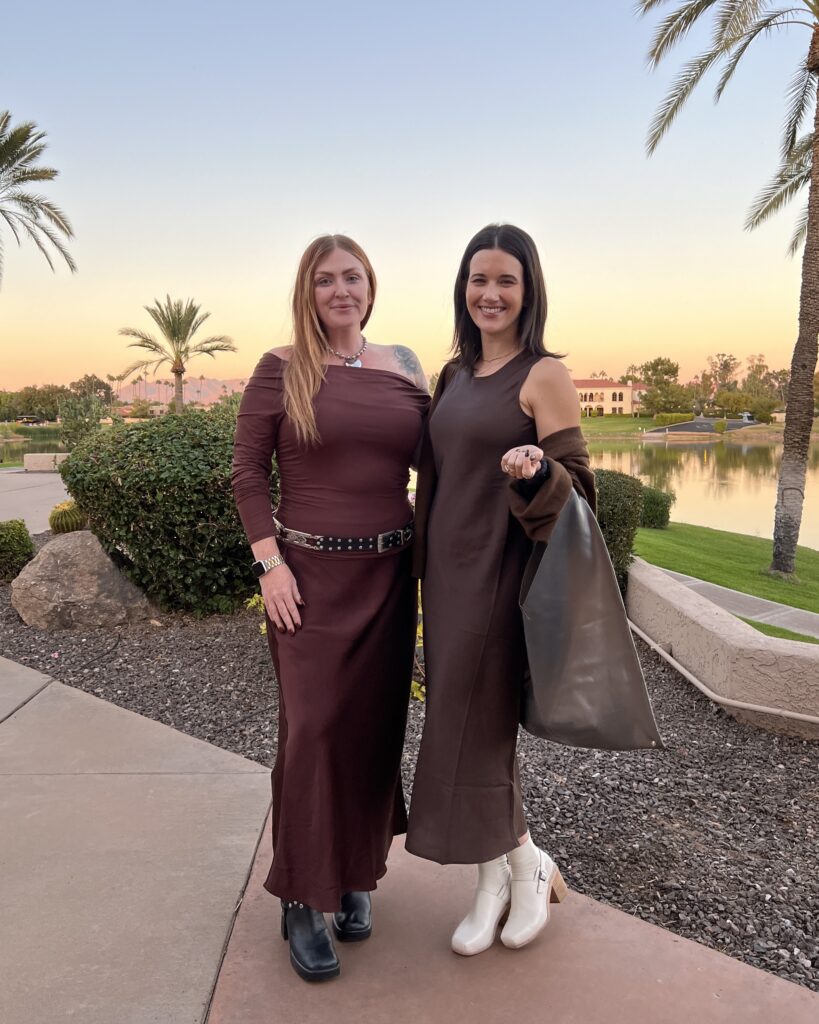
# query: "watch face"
{"type": "Point", "coordinates": [259, 569]}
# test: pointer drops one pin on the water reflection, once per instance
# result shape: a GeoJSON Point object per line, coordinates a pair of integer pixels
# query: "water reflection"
{"type": "Point", "coordinates": [724, 485]}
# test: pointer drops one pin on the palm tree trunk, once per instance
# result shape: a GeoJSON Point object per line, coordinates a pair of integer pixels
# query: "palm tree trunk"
{"type": "Point", "coordinates": [177, 398]}
{"type": "Point", "coordinates": [799, 410]}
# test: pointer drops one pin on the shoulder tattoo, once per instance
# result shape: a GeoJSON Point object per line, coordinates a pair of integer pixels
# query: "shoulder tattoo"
{"type": "Point", "coordinates": [408, 361]}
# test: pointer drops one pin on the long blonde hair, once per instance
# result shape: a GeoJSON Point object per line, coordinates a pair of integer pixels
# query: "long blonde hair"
{"type": "Point", "coordinates": [306, 368]}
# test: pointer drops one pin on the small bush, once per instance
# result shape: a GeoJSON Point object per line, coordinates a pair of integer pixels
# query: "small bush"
{"type": "Point", "coordinates": [667, 419]}
{"type": "Point", "coordinates": [619, 511]}
{"type": "Point", "coordinates": [16, 548]}
{"type": "Point", "coordinates": [720, 427]}
{"type": "Point", "coordinates": [158, 497]}
{"type": "Point", "coordinates": [80, 417]}
{"type": "Point", "coordinates": [656, 508]}
{"type": "Point", "coordinates": [66, 517]}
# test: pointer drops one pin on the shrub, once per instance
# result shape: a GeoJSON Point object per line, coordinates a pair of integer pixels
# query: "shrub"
{"type": "Point", "coordinates": [656, 508]}
{"type": "Point", "coordinates": [720, 427]}
{"type": "Point", "coordinates": [619, 510]}
{"type": "Point", "coordinates": [80, 417]}
{"type": "Point", "coordinates": [66, 517]}
{"type": "Point", "coordinates": [158, 497]}
{"type": "Point", "coordinates": [16, 548]}
{"type": "Point", "coordinates": [667, 419]}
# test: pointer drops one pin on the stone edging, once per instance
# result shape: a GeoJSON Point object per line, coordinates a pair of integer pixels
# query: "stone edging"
{"type": "Point", "coordinates": [731, 658]}
{"type": "Point", "coordinates": [43, 462]}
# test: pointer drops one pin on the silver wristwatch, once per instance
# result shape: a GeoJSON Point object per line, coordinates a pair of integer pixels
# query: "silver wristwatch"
{"type": "Point", "coordinates": [266, 564]}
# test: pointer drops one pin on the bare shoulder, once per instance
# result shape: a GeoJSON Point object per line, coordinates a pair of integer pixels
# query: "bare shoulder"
{"type": "Point", "coordinates": [551, 373]}
{"type": "Point", "coordinates": [549, 395]}
{"type": "Point", "coordinates": [407, 363]}
{"type": "Point", "coordinates": [282, 351]}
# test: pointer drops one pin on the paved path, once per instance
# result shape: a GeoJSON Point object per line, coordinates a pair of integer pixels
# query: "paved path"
{"type": "Point", "coordinates": [750, 607]}
{"type": "Point", "coordinates": [125, 847]}
{"type": "Point", "coordinates": [700, 426]}
{"type": "Point", "coordinates": [593, 965]}
{"type": "Point", "coordinates": [125, 850]}
{"type": "Point", "coordinates": [30, 497]}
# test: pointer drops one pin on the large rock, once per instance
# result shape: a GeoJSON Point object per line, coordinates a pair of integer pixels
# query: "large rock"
{"type": "Point", "coordinates": [73, 583]}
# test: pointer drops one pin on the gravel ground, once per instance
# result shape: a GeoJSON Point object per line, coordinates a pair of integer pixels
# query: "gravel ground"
{"type": "Point", "coordinates": [716, 838]}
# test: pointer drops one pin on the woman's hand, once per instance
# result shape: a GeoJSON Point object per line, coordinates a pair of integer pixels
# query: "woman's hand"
{"type": "Point", "coordinates": [282, 598]}
{"type": "Point", "coordinates": [522, 463]}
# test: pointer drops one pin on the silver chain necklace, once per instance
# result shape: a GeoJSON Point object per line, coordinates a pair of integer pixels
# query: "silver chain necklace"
{"type": "Point", "coordinates": [353, 360]}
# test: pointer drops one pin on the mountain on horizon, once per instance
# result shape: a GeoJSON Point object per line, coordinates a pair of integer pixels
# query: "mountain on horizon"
{"type": "Point", "coordinates": [204, 391]}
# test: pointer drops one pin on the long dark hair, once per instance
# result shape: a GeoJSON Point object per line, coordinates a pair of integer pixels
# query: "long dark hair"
{"type": "Point", "coordinates": [466, 341]}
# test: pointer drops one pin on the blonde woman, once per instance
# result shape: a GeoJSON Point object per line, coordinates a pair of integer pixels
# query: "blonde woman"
{"type": "Point", "coordinates": [343, 418]}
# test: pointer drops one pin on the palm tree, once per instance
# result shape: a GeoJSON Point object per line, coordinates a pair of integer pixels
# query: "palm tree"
{"type": "Point", "coordinates": [178, 324]}
{"type": "Point", "coordinates": [25, 212]}
{"type": "Point", "coordinates": [736, 24]}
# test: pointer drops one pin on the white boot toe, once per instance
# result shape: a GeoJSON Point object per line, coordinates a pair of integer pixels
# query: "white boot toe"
{"type": "Point", "coordinates": [478, 929]}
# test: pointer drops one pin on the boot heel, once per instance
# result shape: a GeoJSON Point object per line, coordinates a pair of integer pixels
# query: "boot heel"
{"type": "Point", "coordinates": [559, 888]}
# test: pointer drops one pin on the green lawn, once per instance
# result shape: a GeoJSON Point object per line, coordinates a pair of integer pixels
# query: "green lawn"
{"type": "Point", "coordinates": [777, 631]}
{"type": "Point", "coordinates": [731, 559]}
{"type": "Point", "coordinates": [614, 426]}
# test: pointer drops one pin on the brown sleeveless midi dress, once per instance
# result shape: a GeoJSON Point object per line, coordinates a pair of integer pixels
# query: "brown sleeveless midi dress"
{"type": "Point", "coordinates": [466, 804]}
{"type": "Point", "coordinates": [344, 677]}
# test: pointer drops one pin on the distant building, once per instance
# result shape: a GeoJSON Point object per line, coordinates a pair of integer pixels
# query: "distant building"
{"type": "Point", "coordinates": [608, 398]}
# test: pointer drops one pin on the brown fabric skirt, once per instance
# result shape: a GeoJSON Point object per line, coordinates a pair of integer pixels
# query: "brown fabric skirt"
{"type": "Point", "coordinates": [344, 682]}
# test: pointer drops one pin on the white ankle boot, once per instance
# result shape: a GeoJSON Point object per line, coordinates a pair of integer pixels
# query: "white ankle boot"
{"type": "Point", "coordinates": [531, 895]}
{"type": "Point", "coordinates": [477, 930]}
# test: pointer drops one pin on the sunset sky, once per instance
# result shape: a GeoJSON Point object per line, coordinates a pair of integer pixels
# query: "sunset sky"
{"type": "Point", "coordinates": [202, 145]}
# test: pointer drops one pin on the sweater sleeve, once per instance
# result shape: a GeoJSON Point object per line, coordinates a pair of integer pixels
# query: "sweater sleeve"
{"type": "Point", "coordinates": [567, 458]}
{"type": "Point", "coordinates": [254, 445]}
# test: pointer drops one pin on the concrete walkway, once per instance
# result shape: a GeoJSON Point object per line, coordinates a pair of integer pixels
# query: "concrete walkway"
{"type": "Point", "coordinates": [125, 849]}
{"type": "Point", "coordinates": [30, 497]}
{"type": "Point", "coordinates": [750, 607]}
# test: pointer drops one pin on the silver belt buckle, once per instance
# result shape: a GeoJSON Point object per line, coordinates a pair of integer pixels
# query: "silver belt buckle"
{"type": "Point", "coordinates": [307, 540]}
{"type": "Point", "coordinates": [382, 540]}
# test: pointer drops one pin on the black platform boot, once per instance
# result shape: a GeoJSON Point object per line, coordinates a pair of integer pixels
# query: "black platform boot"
{"type": "Point", "coordinates": [354, 922]}
{"type": "Point", "coordinates": [312, 953]}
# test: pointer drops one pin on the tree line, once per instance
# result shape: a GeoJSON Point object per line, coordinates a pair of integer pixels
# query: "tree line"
{"type": "Point", "coordinates": [719, 389]}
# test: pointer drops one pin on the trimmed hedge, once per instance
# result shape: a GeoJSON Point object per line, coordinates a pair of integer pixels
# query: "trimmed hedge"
{"type": "Point", "coordinates": [619, 511]}
{"type": "Point", "coordinates": [656, 507]}
{"type": "Point", "coordinates": [16, 548]}
{"type": "Point", "coordinates": [667, 419]}
{"type": "Point", "coordinates": [157, 495]}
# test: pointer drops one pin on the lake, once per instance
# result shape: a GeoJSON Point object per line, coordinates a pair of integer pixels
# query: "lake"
{"type": "Point", "coordinates": [724, 485]}
{"type": "Point", "coordinates": [13, 451]}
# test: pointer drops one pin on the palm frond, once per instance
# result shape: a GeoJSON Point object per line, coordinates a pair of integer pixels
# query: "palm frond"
{"type": "Point", "coordinates": [800, 94]}
{"type": "Point", "coordinates": [143, 339]}
{"type": "Point", "coordinates": [799, 233]}
{"type": "Point", "coordinates": [141, 364]}
{"type": "Point", "coordinates": [8, 217]}
{"type": "Point", "coordinates": [24, 212]}
{"type": "Point", "coordinates": [644, 6]}
{"type": "Point", "coordinates": [792, 176]}
{"type": "Point", "coordinates": [674, 27]}
{"type": "Point", "coordinates": [735, 18]}
{"type": "Point", "coordinates": [776, 19]}
{"type": "Point", "coordinates": [208, 346]}
{"type": "Point", "coordinates": [682, 87]}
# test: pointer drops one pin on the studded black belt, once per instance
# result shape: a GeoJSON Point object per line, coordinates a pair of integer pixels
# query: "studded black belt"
{"type": "Point", "coordinates": [317, 542]}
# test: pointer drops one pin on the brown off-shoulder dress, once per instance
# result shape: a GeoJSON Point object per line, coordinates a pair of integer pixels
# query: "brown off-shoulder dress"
{"type": "Point", "coordinates": [344, 677]}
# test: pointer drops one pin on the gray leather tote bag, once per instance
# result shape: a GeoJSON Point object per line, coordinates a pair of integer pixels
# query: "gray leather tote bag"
{"type": "Point", "coordinates": [585, 687]}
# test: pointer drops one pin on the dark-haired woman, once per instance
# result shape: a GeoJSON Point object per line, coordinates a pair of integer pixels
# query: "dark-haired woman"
{"type": "Point", "coordinates": [503, 437]}
{"type": "Point", "coordinates": [344, 418]}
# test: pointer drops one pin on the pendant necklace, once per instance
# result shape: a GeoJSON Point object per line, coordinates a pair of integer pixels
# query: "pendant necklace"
{"type": "Point", "coordinates": [353, 360]}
